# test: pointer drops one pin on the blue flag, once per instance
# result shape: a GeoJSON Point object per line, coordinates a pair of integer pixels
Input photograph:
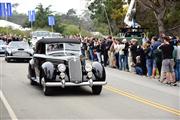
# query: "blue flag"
{"type": "Point", "coordinates": [2, 9]}
{"type": "Point", "coordinates": [31, 15]}
{"type": "Point", "coordinates": [51, 20]}
{"type": "Point", "coordinates": [5, 9]}
{"type": "Point", "coordinates": [9, 9]}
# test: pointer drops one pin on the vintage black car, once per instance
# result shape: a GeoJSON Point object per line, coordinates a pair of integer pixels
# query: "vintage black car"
{"type": "Point", "coordinates": [57, 62]}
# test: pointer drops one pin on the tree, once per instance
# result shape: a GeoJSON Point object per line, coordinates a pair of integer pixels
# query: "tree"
{"type": "Point", "coordinates": [146, 19]}
{"type": "Point", "coordinates": [172, 19]}
{"type": "Point", "coordinates": [71, 12]}
{"type": "Point", "coordinates": [70, 17]}
{"type": "Point", "coordinates": [71, 30]}
{"type": "Point", "coordinates": [15, 5]}
{"type": "Point", "coordinates": [112, 10]}
{"type": "Point", "coordinates": [42, 16]}
{"type": "Point", "coordinates": [159, 8]}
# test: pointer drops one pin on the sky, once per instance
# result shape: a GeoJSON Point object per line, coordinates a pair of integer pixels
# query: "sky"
{"type": "Point", "coordinates": [61, 6]}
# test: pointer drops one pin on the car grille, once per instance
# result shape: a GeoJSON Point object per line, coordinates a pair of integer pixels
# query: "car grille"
{"type": "Point", "coordinates": [21, 54]}
{"type": "Point", "coordinates": [75, 70]}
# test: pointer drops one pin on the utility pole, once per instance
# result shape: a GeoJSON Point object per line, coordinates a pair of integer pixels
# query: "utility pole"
{"type": "Point", "coordinates": [109, 25]}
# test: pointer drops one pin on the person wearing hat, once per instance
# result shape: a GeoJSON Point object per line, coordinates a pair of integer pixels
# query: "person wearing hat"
{"type": "Point", "coordinates": [126, 52]}
{"type": "Point", "coordinates": [133, 50]}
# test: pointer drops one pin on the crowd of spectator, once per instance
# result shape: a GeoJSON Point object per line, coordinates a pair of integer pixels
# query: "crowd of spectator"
{"type": "Point", "coordinates": [157, 57]}
{"type": "Point", "coordinates": [8, 38]}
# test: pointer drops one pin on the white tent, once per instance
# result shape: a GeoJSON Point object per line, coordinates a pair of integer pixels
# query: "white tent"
{"type": "Point", "coordinates": [4, 23]}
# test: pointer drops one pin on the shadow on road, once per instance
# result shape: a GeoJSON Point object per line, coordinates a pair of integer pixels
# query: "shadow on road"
{"type": "Point", "coordinates": [18, 61]}
{"type": "Point", "coordinates": [68, 91]}
{"type": "Point", "coordinates": [1, 55]}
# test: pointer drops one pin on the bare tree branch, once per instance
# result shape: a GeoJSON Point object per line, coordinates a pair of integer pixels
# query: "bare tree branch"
{"type": "Point", "coordinates": [150, 6]}
{"type": "Point", "coordinates": [174, 28]}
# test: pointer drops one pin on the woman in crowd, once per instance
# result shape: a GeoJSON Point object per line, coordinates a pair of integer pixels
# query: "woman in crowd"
{"type": "Point", "coordinates": [91, 49]}
{"type": "Point", "coordinates": [111, 54]}
{"type": "Point", "coordinates": [97, 47]}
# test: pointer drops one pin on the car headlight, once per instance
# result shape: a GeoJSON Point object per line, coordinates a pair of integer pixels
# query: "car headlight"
{"type": "Point", "coordinates": [61, 67]}
{"type": "Point", "coordinates": [88, 67]}
{"type": "Point", "coordinates": [62, 75]}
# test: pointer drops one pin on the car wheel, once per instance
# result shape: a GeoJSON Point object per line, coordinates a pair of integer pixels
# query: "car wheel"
{"type": "Point", "coordinates": [7, 59]}
{"type": "Point", "coordinates": [32, 82]}
{"type": "Point", "coordinates": [96, 90]}
{"type": "Point", "coordinates": [46, 89]}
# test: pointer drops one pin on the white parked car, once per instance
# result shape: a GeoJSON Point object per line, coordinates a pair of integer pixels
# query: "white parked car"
{"type": "Point", "coordinates": [18, 50]}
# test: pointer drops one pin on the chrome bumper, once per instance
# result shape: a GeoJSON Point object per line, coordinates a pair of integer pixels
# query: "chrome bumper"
{"type": "Point", "coordinates": [61, 84]}
{"type": "Point", "coordinates": [19, 57]}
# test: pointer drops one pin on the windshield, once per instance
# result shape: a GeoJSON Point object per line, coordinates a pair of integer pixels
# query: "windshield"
{"type": "Point", "coordinates": [41, 34]}
{"type": "Point", "coordinates": [55, 35]}
{"type": "Point", "coordinates": [72, 47]}
{"type": "Point", "coordinates": [18, 44]}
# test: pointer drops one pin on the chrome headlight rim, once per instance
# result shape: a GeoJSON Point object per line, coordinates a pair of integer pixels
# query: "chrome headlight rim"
{"type": "Point", "coordinates": [61, 67]}
{"type": "Point", "coordinates": [88, 67]}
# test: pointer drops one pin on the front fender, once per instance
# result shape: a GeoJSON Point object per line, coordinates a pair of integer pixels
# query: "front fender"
{"type": "Point", "coordinates": [98, 71]}
{"type": "Point", "coordinates": [48, 70]}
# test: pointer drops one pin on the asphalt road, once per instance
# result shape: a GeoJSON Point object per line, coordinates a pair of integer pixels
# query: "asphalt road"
{"type": "Point", "coordinates": [126, 96]}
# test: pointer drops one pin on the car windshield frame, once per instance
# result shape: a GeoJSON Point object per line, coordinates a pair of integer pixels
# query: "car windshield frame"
{"type": "Point", "coordinates": [53, 47]}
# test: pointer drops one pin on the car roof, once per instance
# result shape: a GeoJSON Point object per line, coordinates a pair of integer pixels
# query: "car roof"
{"type": "Point", "coordinates": [57, 40]}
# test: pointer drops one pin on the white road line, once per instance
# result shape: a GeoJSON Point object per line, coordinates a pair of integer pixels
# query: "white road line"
{"type": "Point", "coordinates": [8, 107]}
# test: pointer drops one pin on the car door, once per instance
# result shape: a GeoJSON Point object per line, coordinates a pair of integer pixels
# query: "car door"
{"type": "Point", "coordinates": [37, 66]}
